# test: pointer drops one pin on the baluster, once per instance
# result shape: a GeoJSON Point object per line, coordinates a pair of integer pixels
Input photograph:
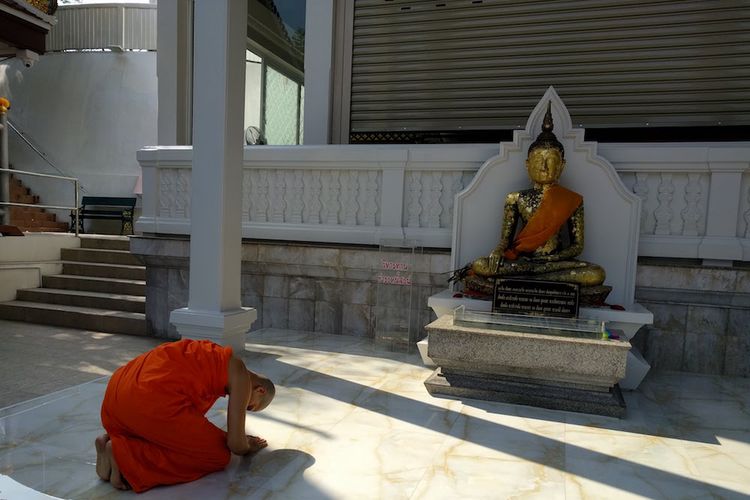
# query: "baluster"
{"type": "Point", "coordinates": [746, 216]}
{"type": "Point", "coordinates": [325, 187]}
{"type": "Point", "coordinates": [692, 213]}
{"type": "Point", "coordinates": [254, 194]}
{"type": "Point", "coordinates": [166, 192]}
{"type": "Point", "coordinates": [640, 188]}
{"type": "Point", "coordinates": [260, 202]}
{"type": "Point", "coordinates": [369, 203]}
{"type": "Point", "coordinates": [332, 200]}
{"type": "Point", "coordinates": [436, 190]}
{"type": "Point", "coordinates": [288, 196]}
{"type": "Point", "coordinates": [246, 194]}
{"type": "Point", "coordinates": [344, 203]}
{"type": "Point", "coordinates": [277, 198]}
{"type": "Point", "coordinates": [663, 212]}
{"type": "Point", "coordinates": [350, 191]}
{"type": "Point", "coordinates": [306, 176]}
{"type": "Point", "coordinates": [294, 197]}
{"type": "Point", "coordinates": [182, 198]}
{"type": "Point", "coordinates": [313, 204]}
{"type": "Point", "coordinates": [415, 193]}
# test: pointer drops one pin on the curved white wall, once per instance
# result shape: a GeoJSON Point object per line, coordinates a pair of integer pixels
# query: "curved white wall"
{"type": "Point", "coordinates": [89, 113]}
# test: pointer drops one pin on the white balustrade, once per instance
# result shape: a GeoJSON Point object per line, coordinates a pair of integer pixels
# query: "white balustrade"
{"type": "Point", "coordinates": [695, 198]}
{"type": "Point", "coordinates": [102, 26]}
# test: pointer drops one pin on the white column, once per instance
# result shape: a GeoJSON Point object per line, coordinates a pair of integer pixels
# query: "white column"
{"type": "Point", "coordinates": [174, 42]}
{"type": "Point", "coordinates": [214, 308]}
{"type": "Point", "coordinates": [4, 176]}
{"type": "Point", "coordinates": [318, 71]}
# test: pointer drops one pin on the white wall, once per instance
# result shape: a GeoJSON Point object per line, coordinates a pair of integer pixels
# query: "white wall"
{"type": "Point", "coordinates": [89, 113]}
{"type": "Point", "coordinates": [24, 260]}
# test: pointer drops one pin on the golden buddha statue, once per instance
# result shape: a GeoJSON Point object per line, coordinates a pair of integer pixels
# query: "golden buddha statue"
{"type": "Point", "coordinates": [552, 230]}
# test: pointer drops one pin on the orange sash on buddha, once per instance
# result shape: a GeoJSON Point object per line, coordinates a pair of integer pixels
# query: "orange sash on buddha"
{"type": "Point", "coordinates": [558, 204]}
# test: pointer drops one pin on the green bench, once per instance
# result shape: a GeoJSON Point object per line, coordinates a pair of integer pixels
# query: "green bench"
{"type": "Point", "coordinates": [106, 207]}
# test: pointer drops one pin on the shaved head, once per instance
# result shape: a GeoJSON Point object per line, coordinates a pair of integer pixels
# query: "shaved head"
{"type": "Point", "coordinates": [266, 393]}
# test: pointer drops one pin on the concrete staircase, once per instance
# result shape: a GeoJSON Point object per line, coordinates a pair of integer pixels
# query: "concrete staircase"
{"type": "Point", "coordinates": [102, 288]}
{"type": "Point", "coordinates": [31, 218]}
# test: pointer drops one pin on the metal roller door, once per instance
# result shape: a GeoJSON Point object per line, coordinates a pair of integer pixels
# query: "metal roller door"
{"type": "Point", "coordinates": [483, 64]}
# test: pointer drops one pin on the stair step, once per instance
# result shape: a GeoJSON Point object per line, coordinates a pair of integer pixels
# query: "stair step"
{"type": "Point", "coordinates": [89, 318]}
{"type": "Point", "coordinates": [43, 229]}
{"type": "Point", "coordinates": [105, 242]}
{"type": "Point", "coordinates": [17, 188]}
{"type": "Point", "coordinates": [25, 198]}
{"type": "Point", "coordinates": [121, 257]}
{"type": "Point", "coordinates": [130, 303]}
{"type": "Point", "coordinates": [92, 284]}
{"type": "Point", "coordinates": [104, 270]}
{"type": "Point", "coordinates": [39, 215]}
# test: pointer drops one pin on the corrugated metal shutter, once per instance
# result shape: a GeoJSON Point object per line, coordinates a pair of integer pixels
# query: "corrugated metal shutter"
{"type": "Point", "coordinates": [483, 64]}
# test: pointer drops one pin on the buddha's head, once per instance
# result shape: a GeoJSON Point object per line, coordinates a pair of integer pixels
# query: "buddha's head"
{"type": "Point", "coordinates": [546, 159]}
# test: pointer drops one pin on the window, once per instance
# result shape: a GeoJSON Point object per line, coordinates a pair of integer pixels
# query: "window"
{"type": "Point", "coordinates": [274, 81]}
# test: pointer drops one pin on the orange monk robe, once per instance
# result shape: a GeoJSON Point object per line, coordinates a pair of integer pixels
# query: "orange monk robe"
{"type": "Point", "coordinates": [557, 205]}
{"type": "Point", "coordinates": [154, 409]}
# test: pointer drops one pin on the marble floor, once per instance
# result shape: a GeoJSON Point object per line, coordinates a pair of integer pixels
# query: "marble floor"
{"type": "Point", "coordinates": [352, 420]}
{"type": "Point", "coordinates": [36, 360]}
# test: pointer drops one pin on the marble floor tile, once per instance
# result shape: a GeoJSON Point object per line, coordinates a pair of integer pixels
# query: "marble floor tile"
{"type": "Point", "coordinates": [467, 477]}
{"type": "Point", "coordinates": [352, 420]}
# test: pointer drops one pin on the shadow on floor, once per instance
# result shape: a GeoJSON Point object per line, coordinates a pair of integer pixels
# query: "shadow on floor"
{"type": "Point", "coordinates": [566, 457]}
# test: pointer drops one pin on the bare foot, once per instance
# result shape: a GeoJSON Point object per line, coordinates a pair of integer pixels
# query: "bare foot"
{"type": "Point", "coordinates": [115, 477]}
{"type": "Point", "coordinates": [103, 465]}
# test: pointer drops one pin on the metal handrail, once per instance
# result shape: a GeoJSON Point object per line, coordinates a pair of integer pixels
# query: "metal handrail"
{"type": "Point", "coordinates": [41, 155]}
{"type": "Point", "coordinates": [37, 174]}
{"type": "Point", "coordinates": [76, 184]}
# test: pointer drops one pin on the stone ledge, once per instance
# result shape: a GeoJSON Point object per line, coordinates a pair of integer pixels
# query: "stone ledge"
{"type": "Point", "coordinates": [703, 298]}
{"type": "Point", "coordinates": [509, 390]}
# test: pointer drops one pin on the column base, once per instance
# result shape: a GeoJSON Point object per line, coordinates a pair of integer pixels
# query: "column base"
{"type": "Point", "coordinates": [223, 327]}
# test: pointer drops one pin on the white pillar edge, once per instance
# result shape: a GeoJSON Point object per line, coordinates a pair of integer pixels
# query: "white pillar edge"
{"type": "Point", "coordinates": [318, 71]}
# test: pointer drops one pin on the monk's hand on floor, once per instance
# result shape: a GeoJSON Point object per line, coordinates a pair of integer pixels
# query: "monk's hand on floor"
{"type": "Point", "coordinates": [256, 443]}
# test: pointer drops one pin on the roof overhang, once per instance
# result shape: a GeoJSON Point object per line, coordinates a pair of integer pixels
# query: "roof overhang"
{"type": "Point", "coordinates": [22, 27]}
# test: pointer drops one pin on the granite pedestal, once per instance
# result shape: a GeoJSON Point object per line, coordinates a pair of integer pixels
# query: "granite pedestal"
{"type": "Point", "coordinates": [628, 322]}
{"type": "Point", "coordinates": [550, 371]}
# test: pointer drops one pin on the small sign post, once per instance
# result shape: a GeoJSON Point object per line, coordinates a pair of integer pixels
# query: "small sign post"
{"type": "Point", "coordinates": [396, 306]}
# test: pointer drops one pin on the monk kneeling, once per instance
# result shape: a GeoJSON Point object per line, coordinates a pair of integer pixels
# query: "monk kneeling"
{"type": "Point", "coordinates": [154, 415]}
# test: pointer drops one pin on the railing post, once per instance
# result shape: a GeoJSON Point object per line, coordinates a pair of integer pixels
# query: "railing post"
{"type": "Point", "coordinates": [721, 242]}
{"type": "Point", "coordinates": [77, 205]}
{"type": "Point", "coordinates": [121, 26]}
{"type": "Point", "coordinates": [4, 175]}
{"type": "Point", "coordinates": [392, 200]}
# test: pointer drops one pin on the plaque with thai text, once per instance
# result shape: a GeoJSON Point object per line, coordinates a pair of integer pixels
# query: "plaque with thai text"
{"type": "Point", "coordinates": [536, 298]}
